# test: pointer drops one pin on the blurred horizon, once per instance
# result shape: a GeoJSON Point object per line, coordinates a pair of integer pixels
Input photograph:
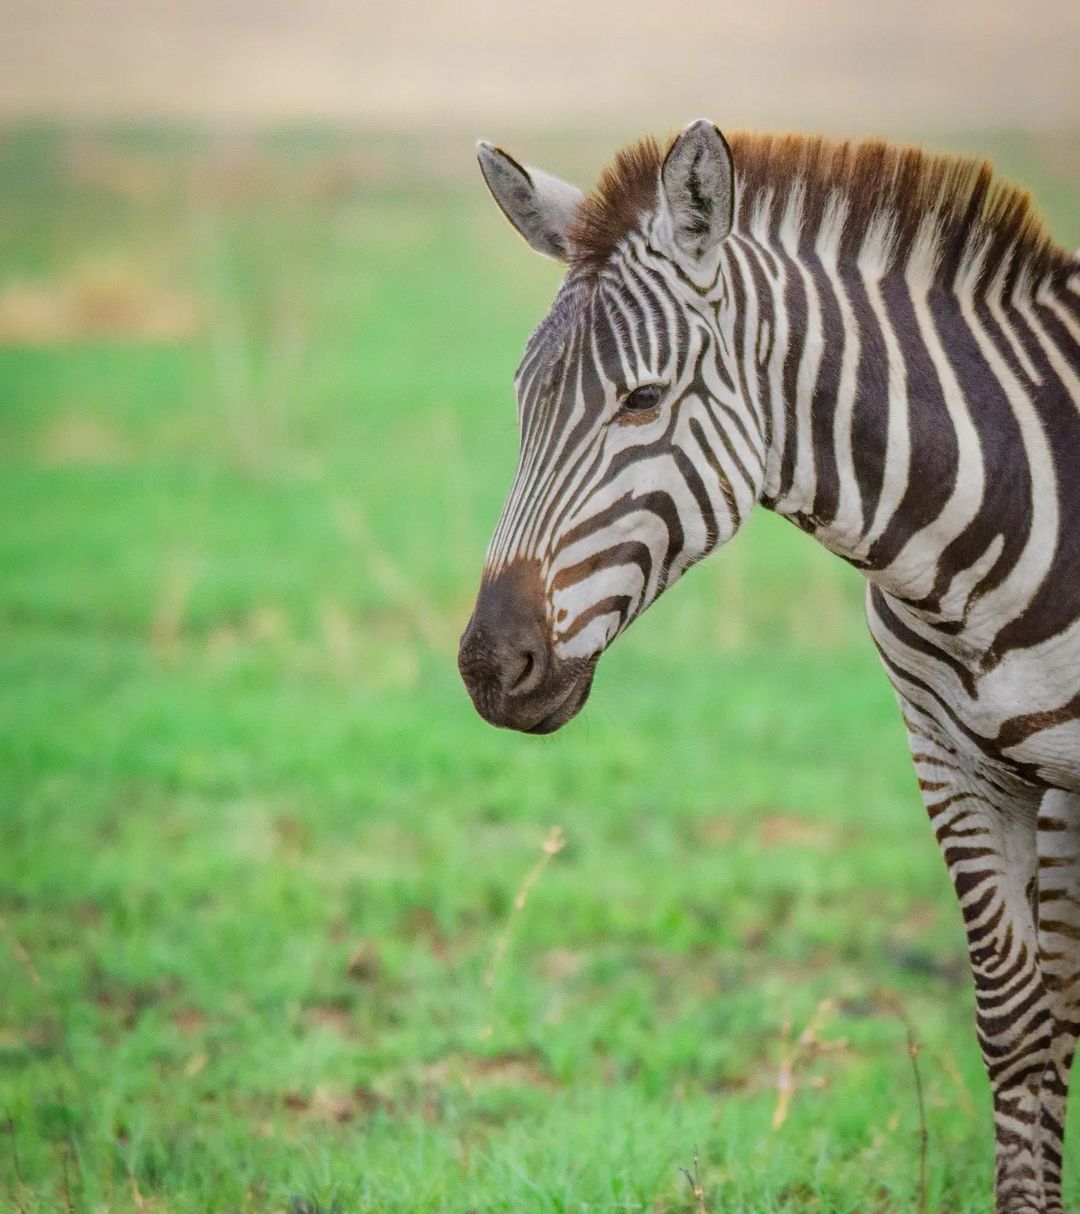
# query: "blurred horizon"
{"type": "Point", "coordinates": [838, 65]}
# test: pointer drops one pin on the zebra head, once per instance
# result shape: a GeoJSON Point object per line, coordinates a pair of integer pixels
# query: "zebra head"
{"type": "Point", "coordinates": [638, 454]}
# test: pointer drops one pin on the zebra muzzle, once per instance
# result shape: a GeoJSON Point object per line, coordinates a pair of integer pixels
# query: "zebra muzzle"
{"type": "Point", "coordinates": [507, 659]}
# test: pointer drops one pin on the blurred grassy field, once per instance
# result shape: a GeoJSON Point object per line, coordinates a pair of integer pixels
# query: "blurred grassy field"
{"type": "Point", "coordinates": [260, 861]}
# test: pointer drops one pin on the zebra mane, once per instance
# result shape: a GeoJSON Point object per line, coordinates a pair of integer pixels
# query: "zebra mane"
{"type": "Point", "coordinates": [970, 219]}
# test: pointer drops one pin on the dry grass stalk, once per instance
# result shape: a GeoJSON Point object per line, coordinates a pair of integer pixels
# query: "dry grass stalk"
{"type": "Point", "coordinates": [694, 1181]}
{"type": "Point", "coordinates": [913, 1053]}
{"type": "Point", "coordinates": [554, 842]}
{"type": "Point", "coordinates": [808, 1042]}
{"type": "Point", "coordinates": [65, 1179]}
{"type": "Point", "coordinates": [21, 955]}
{"type": "Point", "coordinates": [950, 1066]}
{"type": "Point", "coordinates": [433, 628]}
{"type": "Point", "coordinates": [136, 1194]}
{"type": "Point", "coordinates": [169, 612]}
{"type": "Point", "coordinates": [16, 1168]}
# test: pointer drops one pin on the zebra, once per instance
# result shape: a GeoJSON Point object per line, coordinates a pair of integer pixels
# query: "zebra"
{"type": "Point", "coordinates": [883, 346]}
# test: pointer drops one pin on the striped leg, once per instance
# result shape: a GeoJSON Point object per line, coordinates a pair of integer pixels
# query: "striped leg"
{"type": "Point", "coordinates": [1059, 957]}
{"type": "Point", "coordinates": [988, 839]}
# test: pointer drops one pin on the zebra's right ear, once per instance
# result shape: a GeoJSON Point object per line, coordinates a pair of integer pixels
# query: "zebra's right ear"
{"type": "Point", "coordinates": [697, 183]}
{"type": "Point", "coordinates": [540, 206]}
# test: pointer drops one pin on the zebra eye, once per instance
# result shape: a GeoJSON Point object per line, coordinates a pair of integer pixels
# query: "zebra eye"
{"type": "Point", "coordinates": [642, 399]}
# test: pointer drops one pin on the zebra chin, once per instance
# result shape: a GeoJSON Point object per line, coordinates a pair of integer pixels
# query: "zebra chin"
{"type": "Point", "coordinates": [538, 714]}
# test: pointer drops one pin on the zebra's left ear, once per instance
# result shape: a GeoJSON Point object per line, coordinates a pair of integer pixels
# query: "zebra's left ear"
{"type": "Point", "coordinates": [697, 185]}
{"type": "Point", "coordinates": [540, 206]}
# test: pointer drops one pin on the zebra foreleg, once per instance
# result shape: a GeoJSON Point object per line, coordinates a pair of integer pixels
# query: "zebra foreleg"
{"type": "Point", "coordinates": [1059, 958]}
{"type": "Point", "coordinates": [988, 839]}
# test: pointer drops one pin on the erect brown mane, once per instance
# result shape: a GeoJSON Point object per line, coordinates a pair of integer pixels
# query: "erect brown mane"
{"type": "Point", "coordinates": [625, 193]}
{"type": "Point", "coordinates": [971, 210]}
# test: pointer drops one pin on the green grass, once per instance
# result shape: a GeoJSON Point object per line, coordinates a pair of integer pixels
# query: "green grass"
{"type": "Point", "coordinates": [258, 856]}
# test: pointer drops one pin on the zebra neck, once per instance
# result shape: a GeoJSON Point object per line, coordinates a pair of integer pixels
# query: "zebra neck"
{"type": "Point", "coordinates": [892, 410]}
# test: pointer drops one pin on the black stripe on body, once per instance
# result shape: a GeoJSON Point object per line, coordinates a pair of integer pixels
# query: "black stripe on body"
{"type": "Point", "coordinates": [933, 458]}
{"type": "Point", "coordinates": [1055, 604]}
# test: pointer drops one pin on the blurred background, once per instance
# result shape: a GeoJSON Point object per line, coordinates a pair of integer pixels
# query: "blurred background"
{"type": "Point", "coordinates": [283, 924]}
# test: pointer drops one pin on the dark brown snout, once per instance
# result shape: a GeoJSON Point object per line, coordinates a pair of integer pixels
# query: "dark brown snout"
{"type": "Point", "coordinates": [507, 661]}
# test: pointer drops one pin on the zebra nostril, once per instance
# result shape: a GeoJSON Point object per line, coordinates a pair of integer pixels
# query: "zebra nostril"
{"type": "Point", "coordinates": [528, 662]}
{"type": "Point", "coordinates": [529, 669]}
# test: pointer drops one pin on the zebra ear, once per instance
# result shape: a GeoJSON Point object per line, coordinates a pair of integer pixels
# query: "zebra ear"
{"type": "Point", "coordinates": [697, 184]}
{"type": "Point", "coordinates": [540, 206]}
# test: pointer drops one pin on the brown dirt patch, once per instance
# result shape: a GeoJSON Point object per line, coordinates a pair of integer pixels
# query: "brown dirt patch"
{"type": "Point", "coordinates": [97, 302]}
